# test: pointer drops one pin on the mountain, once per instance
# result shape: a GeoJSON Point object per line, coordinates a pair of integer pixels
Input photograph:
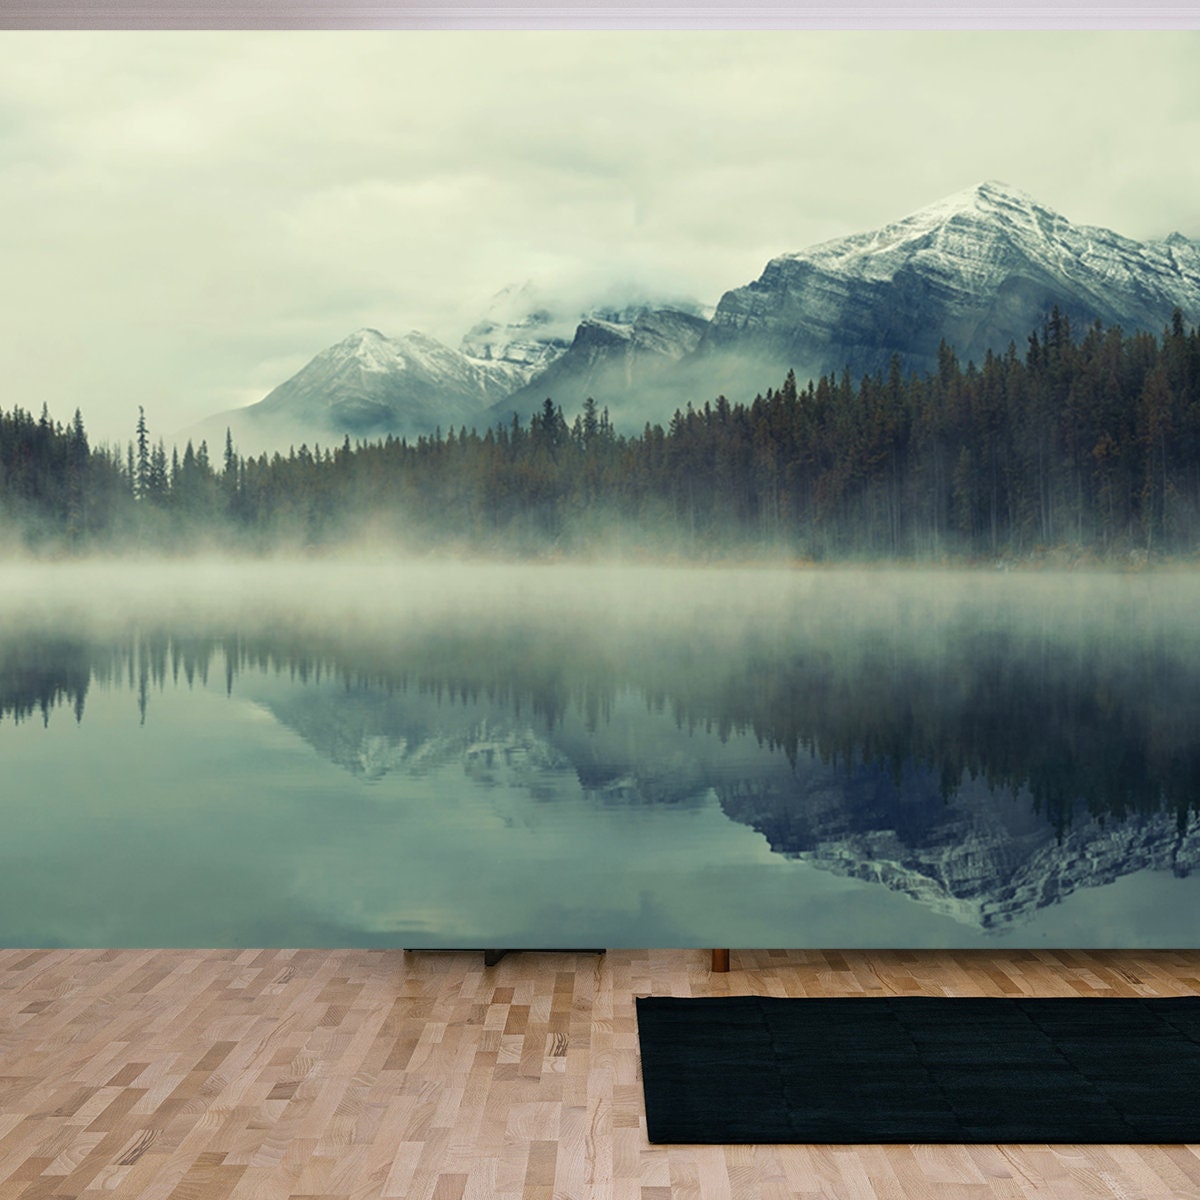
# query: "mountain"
{"type": "Point", "coordinates": [980, 269]}
{"type": "Point", "coordinates": [631, 361]}
{"type": "Point", "coordinates": [368, 386]}
{"type": "Point", "coordinates": [523, 326]}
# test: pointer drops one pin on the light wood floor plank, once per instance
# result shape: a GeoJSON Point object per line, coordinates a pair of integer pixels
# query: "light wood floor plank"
{"type": "Point", "coordinates": [348, 1074]}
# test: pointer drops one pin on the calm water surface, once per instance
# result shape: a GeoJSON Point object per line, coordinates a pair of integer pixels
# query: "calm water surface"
{"type": "Point", "coordinates": [350, 754]}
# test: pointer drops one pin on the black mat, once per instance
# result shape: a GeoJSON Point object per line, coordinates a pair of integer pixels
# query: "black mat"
{"type": "Point", "coordinates": [918, 1069]}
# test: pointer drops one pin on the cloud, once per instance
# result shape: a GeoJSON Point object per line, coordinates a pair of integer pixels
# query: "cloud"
{"type": "Point", "coordinates": [186, 216]}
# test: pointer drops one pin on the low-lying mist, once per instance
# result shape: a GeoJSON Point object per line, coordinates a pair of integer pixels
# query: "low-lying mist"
{"type": "Point", "coordinates": [368, 595]}
{"type": "Point", "coordinates": [374, 592]}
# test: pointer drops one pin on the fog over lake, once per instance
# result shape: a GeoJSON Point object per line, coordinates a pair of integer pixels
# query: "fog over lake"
{"type": "Point", "coordinates": [380, 753]}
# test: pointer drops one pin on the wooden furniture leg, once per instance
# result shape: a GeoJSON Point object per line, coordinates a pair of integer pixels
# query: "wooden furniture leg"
{"type": "Point", "coordinates": [720, 960]}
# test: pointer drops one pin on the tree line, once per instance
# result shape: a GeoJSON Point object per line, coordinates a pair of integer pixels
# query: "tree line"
{"type": "Point", "coordinates": [1089, 443]}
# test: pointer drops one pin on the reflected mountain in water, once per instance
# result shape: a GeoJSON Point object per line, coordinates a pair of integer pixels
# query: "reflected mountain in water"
{"type": "Point", "coordinates": [984, 758]}
{"type": "Point", "coordinates": [987, 859]}
{"type": "Point", "coordinates": [630, 756]}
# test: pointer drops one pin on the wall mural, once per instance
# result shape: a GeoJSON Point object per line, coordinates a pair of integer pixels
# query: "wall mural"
{"type": "Point", "coordinates": [637, 489]}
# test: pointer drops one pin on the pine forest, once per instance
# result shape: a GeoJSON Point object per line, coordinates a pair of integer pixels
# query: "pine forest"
{"type": "Point", "coordinates": [1085, 444]}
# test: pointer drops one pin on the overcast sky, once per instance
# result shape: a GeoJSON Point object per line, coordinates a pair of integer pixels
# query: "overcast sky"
{"type": "Point", "coordinates": [187, 218]}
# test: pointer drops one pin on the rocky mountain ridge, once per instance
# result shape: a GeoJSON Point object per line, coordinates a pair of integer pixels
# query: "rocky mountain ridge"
{"type": "Point", "coordinates": [614, 359]}
{"type": "Point", "coordinates": [979, 269]}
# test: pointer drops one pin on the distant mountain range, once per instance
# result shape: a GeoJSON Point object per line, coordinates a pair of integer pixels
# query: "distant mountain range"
{"type": "Point", "coordinates": [979, 269]}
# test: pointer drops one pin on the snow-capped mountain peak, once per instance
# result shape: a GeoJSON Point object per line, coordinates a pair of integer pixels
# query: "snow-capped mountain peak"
{"type": "Point", "coordinates": [521, 326]}
{"type": "Point", "coordinates": [988, 194]}
{"type": "Point", "coordinates": [369, 349]}
{"type": "Point", "coordinates": [370, 385]}
{"type": "Point", "coordinates": [362, 337]}
{"type": "Point", "coordinates": [527, 325]}
{"type": "Point", "coordinates": [980, 268]}
{"type": "Point", "coordinates": [947, 235]}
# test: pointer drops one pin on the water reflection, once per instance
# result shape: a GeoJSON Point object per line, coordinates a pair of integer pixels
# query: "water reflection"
{"type": "Point", "coordinates": [984, 750]}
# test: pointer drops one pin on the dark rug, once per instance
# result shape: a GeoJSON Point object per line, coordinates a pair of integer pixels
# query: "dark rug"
{"type": "Point", "coordinates": [920, 1069]}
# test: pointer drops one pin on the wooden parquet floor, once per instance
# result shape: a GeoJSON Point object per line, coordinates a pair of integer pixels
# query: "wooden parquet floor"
{"type": "Point", "coordinates": [256, 1074]}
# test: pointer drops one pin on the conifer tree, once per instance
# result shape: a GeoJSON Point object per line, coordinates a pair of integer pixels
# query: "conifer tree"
{"type": "Point", "coordinates": [142, 478]}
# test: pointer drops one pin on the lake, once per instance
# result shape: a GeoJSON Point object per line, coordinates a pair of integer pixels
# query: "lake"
{"type": "Point", "coordinates": [372, 753]}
